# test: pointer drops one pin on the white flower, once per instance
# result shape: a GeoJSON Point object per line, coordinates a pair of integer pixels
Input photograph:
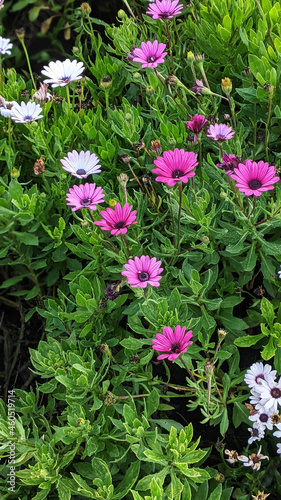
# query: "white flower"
{"type": "Point", "coordinates": [81, 164]}
{"type": "Point", "coordinates": [6, 107]}
{"type": "Point", "coordinates": [279, 273]}
{"type": "Point", "coordinates": [270, 394]}
{"type": "Point", "coordinates": [5, 46]}
{"type": "Point", "coordinates": [254, 460]}
{"type": "Point", "coordinates": [279, 448]}
{"type": "Point", "coordinates": [262, 419]}
{"type": "Point", "coordinates": [257, 433]}
{"type": "Point", "coordinates": [258, 372]}
{"type": "Point", "coordinates": [61, 73]}
{"type": "Point", "coordinates": [26, 113]}
{"type": "Point", "coordinates": [277, 433]}
{"type": "Point", "coordinates": [255, 397]}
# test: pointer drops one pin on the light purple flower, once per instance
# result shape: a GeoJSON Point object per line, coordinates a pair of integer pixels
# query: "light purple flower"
{"type": "Point", "coordinates": [220, 132]}
{"type": "Point", "coordinates": [85, 196]}
{"type": "Point", "coordinates": [149, 55]}
{"type": "Point", "coordinates": [81, 164]}
{"type": "Point", "coordinates": [164, 9]}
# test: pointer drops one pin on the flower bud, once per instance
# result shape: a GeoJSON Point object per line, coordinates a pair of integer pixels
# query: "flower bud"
{"type": "Point", "coordinates": [84, 224]}
{"type": "Point", "coordinates": [149, 90]}
{"type": "Point", "coordinates": [139, 145]}
{"type": "Point", "coordinates": [106, 82]}
{"type": "Point", "coordinates": [222, 333]}
{"type": "Point", "coordinates": [123, 179]}
{"type": "Point", "coordinates": [20, 34]}
{"type": "Point", "coordinates": [226, 85]}
{"type": "Point", "coordinates": [15, 173]}
{"type": "Point", "coordinates": [85, 8]}
{"type": "Point", "coordinates": [190, 57]}
{"type": "Point", "coordinates": [156, 146]}
{"type": "Point", "coordinates": [125, 158]}
{"type": "Point", "coordinates": [223, 195]}
{"type": "Point", "coordinates": [39, 166]}
{"type": "Point", "coordinates": [209, 369]}
{"type": "Point", "coordinates": [112, 203]}
{"type": "Point", "coordinates": [121, 14]}
{"type": "Point", "coordinates": [109, 399]}
{"type": "Point", "coordinates": [205, 239]}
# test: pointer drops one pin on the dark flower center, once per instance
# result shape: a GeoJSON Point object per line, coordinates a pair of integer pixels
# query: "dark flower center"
{"type": "Point", "coordinates": [259, 376]}
{"type": "Point", "coordinates": [220, 137]}
{"type": "Point", "coordinates": [254, 184]}
{"type": "Point", "coordinates": [174, 347]}
{"type": "Point", "coordinates": [143, 276]}
{"type": "Point", "coordinates": [264, 417]}
{"type": "Point", "coordinates": [164, 15]}
{"type": "Point", "coordinates": [80, 171]}
{"type": "Point", "coordinates": [119, 224]}
{"type": "Point", "coordinates": [151, 59]}
{"type": "Point", "coordinates": [177, 173]}
{"type": "Point", "coordinates": [255, 432]}
{"type": "Point", "coordinates": [275, 418]}
{"type": "Point", "coordinates": [86, 202]}
{"type": "Point", "coordinates": [28, 118]}
{"type": "Point", "coordinates": [275, 393]}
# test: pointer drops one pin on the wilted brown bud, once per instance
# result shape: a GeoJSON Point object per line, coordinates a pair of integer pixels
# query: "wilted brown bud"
{"type": "Point", "coordinates": [209, 368]}
{"type": "Point", "coordinates": [24, 93]}
{"type": "Point", "coordinates": [146, 179]}
{"type": "Point", "coordinates": [212, 119]}
{"type": "Point", "coordinates": [247, 71]}
{"type": "Point", "coordinates": [269, 88]}
{"type": "Point", "coordinates": [125, 158]}
{"type": "Point", "coordinates": [139, 145]}
{"type": "Point", "coordinates": [104, 349]}
{"type": "Point", "coordinates": [106, 82]}
{"type": "Point", "coordinates": [20, 33]}
{"type": "Point", "coordinates": [226, 116]}
{"type": "Point", "coordinates": [41, 95]}
{"type": "Point", "coordinates": [39, 166]}
{"type": "Point", "coordinates": [134, 359]}
{"type": "Point", "coordinates": [222, 333]}
{"type": "Point", "coordinates": [123, 179]}
{"type": "Point", "coordinates": [171, 80]}
{"type": "Point", "coordinates": [156, 146]}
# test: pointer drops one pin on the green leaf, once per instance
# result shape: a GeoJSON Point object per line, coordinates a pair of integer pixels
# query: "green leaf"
{"type": "Point", "coordinates": [63, 490]}
{"type": "Point", "coordinates": [100, 470]}
{"type": "Point", "coordinates": [224, 422]}
{"type": "Point", "coordinates": [152, 402]}
{"type": "Point", "coordinates": [135, 344]}
{"type": "Point", "coordinates": [268, 351]}
{"type": "Point", "coordinates": [216, 494]}
{"type": "Point", "coordinates": [240, 414]}
{"type": "Point", "coordinates": [248, 340]}
{"type": "Point", "coordinates": [267, 311]}
{"type": "Point", "coordinates": [27, 238]}
{"type": "Point", "coordinates": [128, 482]}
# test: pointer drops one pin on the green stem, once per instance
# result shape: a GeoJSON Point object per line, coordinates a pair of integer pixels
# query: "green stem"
{"type": "Point", "coordinates": [68, 95]}
{"type": "Point", "coordinates": [179, 214]}
{"type": "Point", "coordinates": [170, 45]}
{"type": "Point", "coordinates": [126, 245]}
{"type": "Point", "coordinates": [232, 111]}
{"type": "Point", "coordinates": [107, 103]}
{"type": "Point", "coordinates": [254, 206]}
{"type": "Point", "coordinates": [255, 131]}
{"type": "Point", "coordinates": [172, 216]}
{"type": "Point", "coordinates": [187, 369]}
{"type": "Point", "coordinates": [267, 127]}
{"type": "Point", "coordinates": [28, 63]}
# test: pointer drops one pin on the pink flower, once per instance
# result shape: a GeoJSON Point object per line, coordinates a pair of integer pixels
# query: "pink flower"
{"type": "Point", "coordinates": [254, 177]}
{"type": "Point", "coordinates": [116, 220]}
{"type": "Point", "coordinates": [175, 166]}
{"type": "Point", "coordinates": [84, 196]}
{"type": "Point", "coordinates": [165, 9]}
{"type": "Point", "coordinates": [150, 54]}
{"type": "Point", "coordinates": [229, 163]}
{"type": "Point", "coordinates": [174, 343]}
{"type": "Point", "coordinates": [143, 271]}
{"type": "Point", "coordinates": [220, 132]}
{"type": "Point", "coordinates": [196, 124]}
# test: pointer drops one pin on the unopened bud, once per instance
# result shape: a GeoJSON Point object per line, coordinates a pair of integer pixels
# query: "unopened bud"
{"type": "Point", "coordinates": [84, 224]}
{"type": "Point", "coordinates": [106, 82]}
{"type": "Point", "coordinates": [149, 90]}
{"type": "Point", "coordinates": [209, 369]}
{"type": "Point", "coordinates": [190, 57]}
{"type": "Point", "coordinates": [269, 88]}
{"type": "Point", "coordinates": [104, 349]}
{"type": "Point", "coordinates": [226, 85]}
{"type": "Point", "coordinates": [85, 8]}
{"type": "Point", "coordinates": [223, 195]}
{"type": "Point", "coordinates": [20, 34]}
{"type": "Point", "coordinates": [112, 203]}
{"type": "Point", "coordinates": [219, 477]}
{"type": "Point", "coordinates": [222, 333]}
{"type": "Point", "coordinates": [109, 399]}
{"type": "Point", "coordinates": [125, 158]}
{"type": "Point", "coordinates": [15, 173]}
{"type": "Point", "coordinates": [128, 117]}
{"type": "Point", "coordinates": [205, 239]}
{"type": "Point", "coordinates": [121, 14]}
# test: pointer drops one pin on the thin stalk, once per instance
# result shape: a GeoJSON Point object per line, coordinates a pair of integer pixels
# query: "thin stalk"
{"type": "Point", "coordinates": [232, 111]}
{"type": "Point", "coordinates": [255, 131]}
{"type": "Point", "coordinates": [28, 62]}
{"type": "Point", "coordinates": [92, 34]}
{"type": "Point", "coordinates": [187, 369]}
{"type": "Point", "coordinates": [126, 244]}
{"type": "Point", "coordinates": [130, 10]}
{"type": "Point", "coordinates": [170, 45]}
{"type": "Point", "coordinates": [135, 177]}
{"type": "Point", "coordinates": [107, 102]}
{"type": "Point", "coordinates": [179, 214]}
{"type": "Point", "coordinates": [200, 156]}
{"type": "Point", "coordinates": [172, 216]}
{"type": "Point", "coordinates": [268, 218]}
{"type": "Point", "coordinates": [267, 126]}
{"type": "Point", "coordinates": [162, 81]}
{"type": "Point", "coordinates": [207, 84]}
{"type": "Point", "coordinates": [68, 95]}
{"type": "Point", "coordinates": [254, 206]}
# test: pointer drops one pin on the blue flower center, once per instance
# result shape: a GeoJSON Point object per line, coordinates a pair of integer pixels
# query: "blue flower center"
{"type": "Point", "coordinates": [143, 276]}
{"type": "Point", "coordinates": [86, 202]}
{"type": "Point", "coordinates": [80, 171]}
{"type": "Point", "coordinates": [65, 79]}
{"type": "Point", "coordinates": [28, 118]}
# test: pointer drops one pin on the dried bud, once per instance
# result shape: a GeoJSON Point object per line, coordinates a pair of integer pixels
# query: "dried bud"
{"type": "Point", "coordinates": [123, 179]}
{"type": "Point", "coordinates": [125, 158]}
{"type": "Point", "coordinates": [146, 179]}
{"type": "Point", "coordinates": [39, 166]}
{"type": "Point", "coordinates": [247, 71]}
{"type": "Point", "coordinates": [58, 99]}
{"type": "Point", "coordinates": [139, 145]}
{"type": "Point", "coordinates": [134, 359]}
{"type": "Point", "coordinates": [85, 8]}
{"type": "Point", "coordinates": [171, 80]}
{"type": "Point", "coordinates": [104, 349]}
{"type": "Point", "coordinates": [15, 173]}
{"type": "Point", "coordinates": [24, 93]}
{"type": "Point", "coordinates": [260, 135]}
{"type": "Point", "coordinates": [156, 147]}
{"type": "Point", "coordinates": [226, 117]}
{"type": "Point", "coordinates": [226, 85]}
{"type": "Point", "coordinates": [111, 292]}
{"type": "Point", "coordinates": [80, 421]}
{"type": "Point", "coordinates": [209, 368]}
{"type": "Point", "coordinates": [190, 57]}
{"type": "Point", "coordinates": [109, 399]}
{"type": "Point", "coordinates": [20, 33]}
{"type": "Point", "coordinates": [212, 119]}
{"type": "Point", "coordinates": [106, 82]}
{"type": "Point", "coordinates": [269, 88]}
{"type": "Point", "coordinates": [41, 95]}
